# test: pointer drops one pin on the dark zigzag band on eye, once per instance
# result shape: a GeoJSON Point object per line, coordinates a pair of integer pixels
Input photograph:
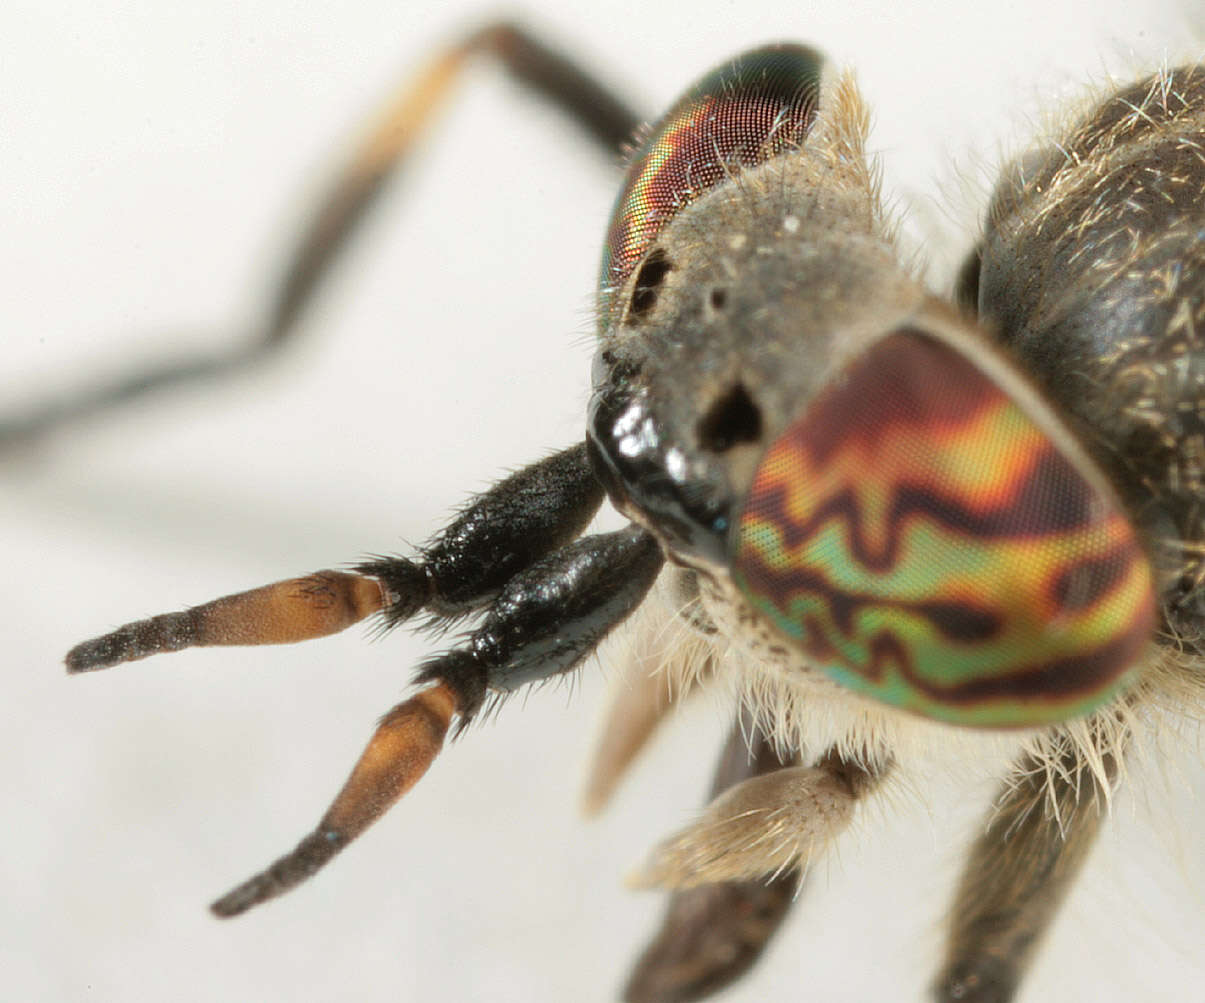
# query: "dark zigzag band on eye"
{"type": "Point", "coordinates": [923, 539]}
{"type": "Point", "coordinates": [753, 108]}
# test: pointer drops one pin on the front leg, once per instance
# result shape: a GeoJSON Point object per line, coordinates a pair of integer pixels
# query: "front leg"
{"type": "Point", "coordinates": [545, 622]}
{"type": "Point", "coordinates": [497, 534]}
{"type": "Point", "coordinates": [545, 601]}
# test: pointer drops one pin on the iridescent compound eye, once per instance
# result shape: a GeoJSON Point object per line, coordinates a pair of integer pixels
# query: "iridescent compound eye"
{"type": "Point", "coordinates": [926, 542]}
{"type": "Point", "coordinates": [755, 107]}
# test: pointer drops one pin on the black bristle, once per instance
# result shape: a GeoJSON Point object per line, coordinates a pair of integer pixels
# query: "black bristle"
{"type": "Point", "coordinates": [408, 584]}
{"type": "Point", "coordinates": [462, 672]}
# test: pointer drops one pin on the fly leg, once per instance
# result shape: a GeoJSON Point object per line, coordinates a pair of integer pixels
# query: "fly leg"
{"type": "Point", "coordinates": [767, 824]}
{"type": "Point", "coordinates": [546, 600]}
{"type": "Point", "coordinates": [499, 533]}
{"type": "Point", "coordinates": [713, 933]}
{"type": "Point", "coordinates": [1019, 872]}
{"type": "Point", "coordinates": [545, 622]}
{"type": "Point", "coordinates": [671, 658]}
{"type": "Point", "coordinates": [383, 148]}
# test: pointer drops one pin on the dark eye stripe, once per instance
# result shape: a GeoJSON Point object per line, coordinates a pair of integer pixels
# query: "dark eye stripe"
{"type": "Point", "coordinates": [919, 536]}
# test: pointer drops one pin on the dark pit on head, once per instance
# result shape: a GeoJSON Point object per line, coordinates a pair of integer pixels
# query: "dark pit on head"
{"type": "Point", "coordinates": [734, 418]}
{"type": "Point", "coordinates": [648, 284]}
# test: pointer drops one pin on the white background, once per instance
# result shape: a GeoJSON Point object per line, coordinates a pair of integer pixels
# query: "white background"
{"type": "Point", "coordinates": [156, 159]}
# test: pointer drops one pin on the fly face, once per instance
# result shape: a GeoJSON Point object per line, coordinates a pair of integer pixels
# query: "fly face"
{"type": "Point", "coordinates": [742, 259]}
{"type": "Point", "coordinates": [691, 387]}
{"type": "Point", "coordinates": [840, 457]}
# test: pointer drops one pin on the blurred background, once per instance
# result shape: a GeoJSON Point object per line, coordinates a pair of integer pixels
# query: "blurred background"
{"type": "Point", "coordinates": [158, 159]}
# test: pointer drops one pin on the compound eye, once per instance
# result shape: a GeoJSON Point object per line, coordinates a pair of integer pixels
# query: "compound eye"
{"type": "Point", "coordinates": [937, 541]}
{"type": "Point", "coordinates": [753, 108]}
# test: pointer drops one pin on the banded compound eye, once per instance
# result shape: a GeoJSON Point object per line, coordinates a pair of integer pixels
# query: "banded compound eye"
{"type": "Point", "coordinates": [758, 106]}
{"type": "Point", "coordinates": [923, 537]}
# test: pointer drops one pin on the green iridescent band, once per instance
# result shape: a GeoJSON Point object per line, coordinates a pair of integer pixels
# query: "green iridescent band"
{"type": "Point", "coordinates": [926, 543]}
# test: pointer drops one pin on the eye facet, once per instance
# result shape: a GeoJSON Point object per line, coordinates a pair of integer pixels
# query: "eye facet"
{"type": "Point", "coordinates": [922, 537]}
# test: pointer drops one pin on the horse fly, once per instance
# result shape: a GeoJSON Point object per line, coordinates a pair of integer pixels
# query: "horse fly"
{"type": "Point", "coordinates": [895, 527]}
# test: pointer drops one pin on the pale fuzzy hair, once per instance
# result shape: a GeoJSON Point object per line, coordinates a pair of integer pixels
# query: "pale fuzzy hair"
{"type": "Point", "coordinates": [805, 711]}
